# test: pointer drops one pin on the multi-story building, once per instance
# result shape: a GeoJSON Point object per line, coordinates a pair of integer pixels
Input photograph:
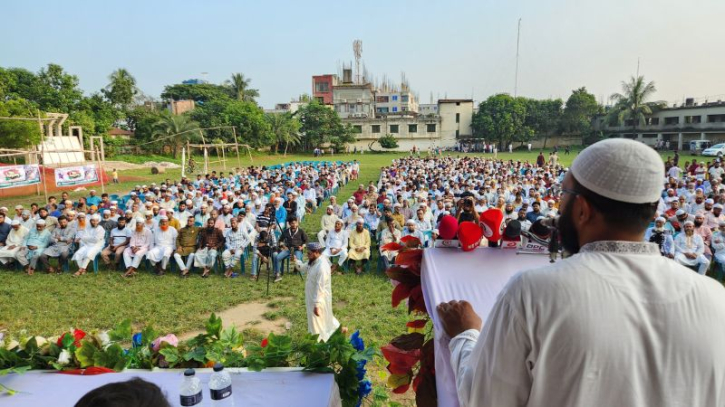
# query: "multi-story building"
{"type": "Point", "coordinates": [428, 108]}
{"type": "Point", "coordinates": [290, 107]}
{"type": "Point", "coordinates": [395, 102]}
{"type": "Point", "coordinates": [354, 101]}
{"type": "Point", "coordinates": [456, 119]}
{"type": "Point", "coordinates": [677, 125]}
{"type": "Point", "coordinates": [409, 130]}
{"type": "Point", "coordinates": [322, 86]}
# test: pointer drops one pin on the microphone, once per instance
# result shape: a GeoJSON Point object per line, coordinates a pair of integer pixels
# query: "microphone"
{"type": "Point", "coordinates": [548, 222]}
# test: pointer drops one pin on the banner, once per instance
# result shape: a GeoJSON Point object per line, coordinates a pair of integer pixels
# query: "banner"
{"type": "Point", "coordinates": [76, 175]}
{"type": "Point", "coordinates": [19, 175]}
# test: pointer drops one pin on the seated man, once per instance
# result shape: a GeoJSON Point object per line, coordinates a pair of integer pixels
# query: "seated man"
{"type": "Point", "coordinates": [118, 239]}
{"type": "Point", "coordinates": [163, 247]}
{"type": "Point", "coordinates": [327, 223]}
{"type": "Point", "coordinates": [14, 242]}
{"type": "Point", "coordinates": [336, 244]}
{"type": "Point", "coordinates": [60, 244]}
{"type": "Point", "coordinates": [360, 242]}
{"type": "Point", "coordinates": [35, 243]}
{"type": "Point", "coordinates": [718, 245]}
{"type": "Point", "coordinates": [662, 236]}
{"type": "Point", "coordinates": [293, 239]}
{"type": "Point", "coordinates": [90, 242]}
{"type": "Point", "coordinates": [390, 234]}
{"type": "Point", "coordinates": [690, 249]}
{"type": "Point", "coordinates": [186, 245]}
{"type": "Point", "coordinates": [411, 229]}
{"type": "Point", "coordinates": [140, 243]}
{"type": "Point", "coordinates": [211, 240]}
{"type": "Point", "coordinates": [237, 239]}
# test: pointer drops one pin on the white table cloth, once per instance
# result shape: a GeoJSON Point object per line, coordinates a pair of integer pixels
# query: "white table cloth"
{"type": "Point", "coordinates": [478, 277]}
{"type": "Point", "coordinates": [271, 387]}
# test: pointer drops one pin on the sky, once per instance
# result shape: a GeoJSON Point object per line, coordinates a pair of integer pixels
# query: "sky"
{"type": "Point", "coordinates": [454, 49]}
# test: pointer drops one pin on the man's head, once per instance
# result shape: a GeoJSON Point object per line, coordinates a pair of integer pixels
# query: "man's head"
{"type": "Point", "coordinates": [121, 222]}
{"type": "Point", "coordinates": [338, 225]}
{"type": "Point", "coordinates": [360, 225]}
{"type": "Point", "coordinates": [689, 228]}
{"type": "Point", "coordinates": [210, 223]}
{"type": "Point", "coordinates": [314, 251]}
{"type": "Point", "coordinates": [329, 210]}
{"type": "Point", "coordinates": [293, 223]}
{"type": "Point", "coordinates": [660, 224]}
{"type": "Point", "coordinates": [95, 219]}
{"type": "Point", "coordinates": [233, 223]}
{"type": "Point", "coordinates": [612, 189]}
{"type": "Point", "coordinates": [411, 225]}
{"type": "Point", "coordinates": [164, 223]}
{"type": "Point", "coordinates": [40, 225]}
{"type": "Point", "coordinates": [699, 220]}
{"type": "Point", "coordinates": [62, 221]}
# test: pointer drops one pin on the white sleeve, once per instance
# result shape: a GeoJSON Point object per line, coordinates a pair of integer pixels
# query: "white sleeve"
{"type": "Point", "coordinates": [461, 347]}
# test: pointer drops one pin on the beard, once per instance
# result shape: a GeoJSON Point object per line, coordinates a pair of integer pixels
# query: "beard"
{"type": "Point", "coordinates": [567, 231]}
{"type": "Point", "coordinates": [698, 223]}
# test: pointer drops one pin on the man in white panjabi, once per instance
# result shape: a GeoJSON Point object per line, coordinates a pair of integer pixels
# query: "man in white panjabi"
{"type": "Point", "coordinates": [318, 293]}
{"type": "Point", "coordinates": [615, 324]}
{"type": "Point", "coordinates": [690, 249]}
{"type": "Point", "coordinates": [90, 240]}
{"type": "Point", "coordinates": [163, 247]}
{"type": "Point", "coordinates": [14, 242]}
{"type": "Point", "coordinates": [336, 244]}
{"type": "Point", "coordinates": [142, 240]}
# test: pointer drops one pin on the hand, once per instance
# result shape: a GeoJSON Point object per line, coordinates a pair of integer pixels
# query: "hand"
{"type": "Point", "coordinates": [317, 311]}
{"type": "Point", "coordinates": [691, 255]}
{"type": "Point", "coordinates": [231, 251]}
{"type": "Point", "coordinates": [32, 247]}
{"type": "Point", "coordinates": [458, 316]}
{"type": "Point", "coordinates": [11, 247]}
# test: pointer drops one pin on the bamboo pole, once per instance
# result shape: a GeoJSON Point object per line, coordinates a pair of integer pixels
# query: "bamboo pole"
{"type": "Point", "coordinates": [101, 173]}
{"type": "Point", "coordinates": [236, 142]}
{"type": "Point", "coordinates": [42, 151]}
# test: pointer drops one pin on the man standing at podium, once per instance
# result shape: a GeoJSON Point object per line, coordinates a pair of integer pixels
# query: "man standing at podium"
{"type": "Point", "coordinates": [616, 324]}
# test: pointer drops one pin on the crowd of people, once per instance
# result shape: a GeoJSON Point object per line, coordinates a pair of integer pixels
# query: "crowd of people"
{"type": "Point", "coordinates": [202, 222]}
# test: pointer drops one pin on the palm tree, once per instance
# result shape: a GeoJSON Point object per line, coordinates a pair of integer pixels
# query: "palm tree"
{"type": "Point", "coordinates": [632, 103]}
{"type": "Point", "coordinates": [239, 88]}
{"type": "Point", "coordinates": [285, 129]}
{"type": "Point", "coordinates": [175, 130]}
{"type": "Point", "coordinates": [121, 88]}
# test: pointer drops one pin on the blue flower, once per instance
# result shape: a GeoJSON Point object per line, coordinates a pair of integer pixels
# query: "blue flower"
{"type": "Point", "coordinates": [364, 388]}
{"type": "Point", "coordinates": [137, 339]}
{"type": "Point", "coordinates": [361, 371]}
{"type": "Point", "coordinates": [357, 341]}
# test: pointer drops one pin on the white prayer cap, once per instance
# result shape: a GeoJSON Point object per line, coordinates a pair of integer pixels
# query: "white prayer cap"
{"type": "Point", "coordinates": [709, 201]}
{"type": "Point", "coordinates": [128, 211]}
{"type": "Point", "coordinates": [106, 212]}
{"type": "Point", "coordinates": [661, 219]}
{"type": "Point", "coordinates": [163, 218]}
{"type": "Point", "coordinates": [18, 207]}
{"type": "Point", "coordinates": [139, 220]}
{"type": "Point", "coordinates": [680, 212]}
{"type": "Point", "coordinates": [3, 209]}
{"type": "Point", "coordinates": [717, 205]}
{"type": "Point", "coordinates": [620, 169]}
{"type": "Point", "coordinates": [40, 222]}
{"type": "Point", "coordinates": [360, 221]}
{"type": "Point", "coordinates": [96, 217]}
{"type": "Point", "coordinates": [689, 222]}
{"type": "Point", "coordinates": [72, 213]}
{"type": "Point", "coordinates": [189, 202]}
{"type": "Point", "coordinates": [410, 222]}
{"type": "Point", "coordinates": [81, 214]}
{"type": "Point", "coordinates": [15, 222]}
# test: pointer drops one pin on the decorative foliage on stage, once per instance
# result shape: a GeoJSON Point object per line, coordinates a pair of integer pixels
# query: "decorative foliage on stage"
{"type": "Point", "coordinates": [410, 356]}
{"type": "Point", "coordinates": [78, 352]}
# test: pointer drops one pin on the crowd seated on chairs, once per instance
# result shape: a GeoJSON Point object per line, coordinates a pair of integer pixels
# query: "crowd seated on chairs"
{"type": "Point", "coordinates": [213, 221]}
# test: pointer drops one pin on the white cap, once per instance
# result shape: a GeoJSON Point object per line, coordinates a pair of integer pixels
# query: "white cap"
{"type": "Point", "coordinates": [40, 222]}
{"type": "Point", "coordinates": [660, 219]}
{"type": "Point", "coordinates": [96, 217]}
{"type": "Point", "coordinates": [162, 217]}
{"type": "Point", "coordinates": [709, 201]}
{"type": "Point", "coordinates": [15, 222]}
{"type": "Point", "coordinates": [81, 214]}
{"type": "Point", "coordinates": [620, 169]}
{"type": "Point", "coordinates": [680, 212]}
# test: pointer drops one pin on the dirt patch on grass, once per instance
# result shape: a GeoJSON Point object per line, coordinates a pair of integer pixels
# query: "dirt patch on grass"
{"type": "Point", "coordinates": [251, 315]}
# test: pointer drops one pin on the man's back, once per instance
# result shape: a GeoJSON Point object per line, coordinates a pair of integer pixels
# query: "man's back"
{"type": "Point", "coordinates": [616, 325]}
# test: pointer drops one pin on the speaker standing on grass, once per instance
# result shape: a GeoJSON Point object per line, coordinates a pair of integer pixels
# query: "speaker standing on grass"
{"type": "Point", "coordinates": [615, 324]}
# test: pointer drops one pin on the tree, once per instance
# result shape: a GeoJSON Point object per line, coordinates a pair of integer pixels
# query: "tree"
{"type": "Point", "coordinates": [543, 117]}
{"type": "Point", "coordinates": [319, 125]}
{"type": "Point", "coordinates": [200, 93]}
{"type": "Point", "coordinates": [388, 141]}
{"type": "Point", "coordinates": [122, 88]}
{"type": "Point", "coordinates": [501, 117]}
{"type": "Point", "coordinates": [632, 104]}
{"type": "Point", "coordinates": [18, 133]}
{"type": "Point", "coordinates": [56, 91]}
{"type": "Point", "coordinates": [285, 129]}
{"type": "Point", "coordinates": [580, 108]}
{"type": "Point", "coordinates": [239, 88]}
{"type": "Point", "coordinates": [175, 130]}
{"type": "Point", "coordinates": [248, 118]}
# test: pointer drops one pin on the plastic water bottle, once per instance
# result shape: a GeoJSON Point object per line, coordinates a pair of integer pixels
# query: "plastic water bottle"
{"type": "Point", "coordinates": [190, 390]}
{"type": "Point", "coordinates": [220, 387]}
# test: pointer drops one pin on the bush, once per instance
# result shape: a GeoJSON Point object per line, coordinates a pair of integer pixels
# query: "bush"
{"type": "Point", "coordinates": [388, 141]}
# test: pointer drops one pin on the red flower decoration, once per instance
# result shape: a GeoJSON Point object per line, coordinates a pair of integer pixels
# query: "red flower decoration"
{"type": "Point", "coordinates": [400, 292]}
{"type": "Point", "coordinates": [418, 323]}
{"type": "Point", "coordinates": [264, 343]}
{"type": "Point", "coordinates": [77, 336]}
{"type": "Point", "coordinates": [401, 362]}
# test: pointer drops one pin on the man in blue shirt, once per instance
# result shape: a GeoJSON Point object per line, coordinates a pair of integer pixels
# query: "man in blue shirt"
{"type": "Point", "coordinates": [93, 199]}
{"type": "Point", "coordinates": [535, 212]}
{"type": "Point", "coordinates": [4, 229]}
{"type": "Point", "coordinates": [35, 242]}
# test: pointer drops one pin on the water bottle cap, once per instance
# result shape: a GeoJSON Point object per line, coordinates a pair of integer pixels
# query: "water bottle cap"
{"type": "Point", "coordinates": [189, 372]}
{"type": "Point", "coordinates": [218, 367]}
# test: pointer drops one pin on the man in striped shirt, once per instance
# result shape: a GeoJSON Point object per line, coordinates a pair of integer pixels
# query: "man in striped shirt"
{"type": "Point", "coordinates": [237, 240]}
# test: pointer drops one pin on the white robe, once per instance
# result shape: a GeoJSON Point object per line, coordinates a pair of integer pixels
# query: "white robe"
{"type": "Point", "coordinates": [164, 245]}
{"type": "Point", "coordinates": [92, 240]}
{"type": "Point", "coordinates": [318, 293]}
{"type": "Point", "coordinates": [15, 238]}
{"type": "Point", "coordinates": [615, 325]}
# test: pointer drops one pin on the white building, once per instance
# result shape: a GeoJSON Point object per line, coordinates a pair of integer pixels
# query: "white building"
{"type": "Point", "coordinates": [290, 107]}
{"type": "Point", "coordinates": [678, 124]}
{"type": "Point", "coordinates": [354, 101]}
{"type": "Point", "coordinates": [395, 102]}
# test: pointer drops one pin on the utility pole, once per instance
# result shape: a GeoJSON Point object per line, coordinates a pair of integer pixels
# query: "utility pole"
{"type": "Point", "coordinates": [516, 80]}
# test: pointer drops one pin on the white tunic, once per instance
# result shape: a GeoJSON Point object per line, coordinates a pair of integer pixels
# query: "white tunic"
{"type": "Point", "coordinates": [92, 240]}
{"type": "Point", "coordinates": [164, 244]}
{"type": "Point", "coordinates": [318, 293]}
{"type": "Point", "coordinates": [615, 325]}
